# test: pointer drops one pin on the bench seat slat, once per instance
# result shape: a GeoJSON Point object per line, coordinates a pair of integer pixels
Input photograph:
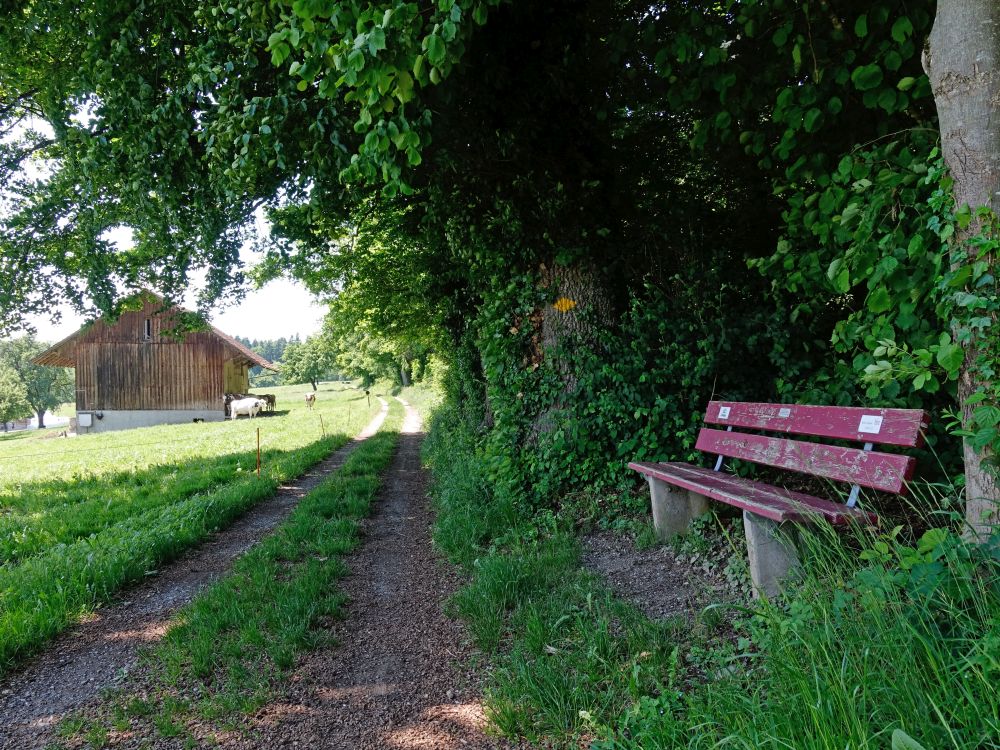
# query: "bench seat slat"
{"type": "Point", "coordinates": [902, 427]}
{"type": "Point", "coordinates": [765, 500]}
{"type": "Point", "coordinates": [882, 471]}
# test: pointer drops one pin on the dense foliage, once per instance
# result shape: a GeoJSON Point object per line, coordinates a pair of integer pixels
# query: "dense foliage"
{"type": "Point", "coordinates": [887, 642]}
{"type": "Point", "coordinates": [592, 216]}
{"type": "Point", "coordinates": [600, 213]}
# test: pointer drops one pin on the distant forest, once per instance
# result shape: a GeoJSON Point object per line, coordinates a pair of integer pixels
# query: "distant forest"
{"type": "Point", "coordinates": [271, 349]}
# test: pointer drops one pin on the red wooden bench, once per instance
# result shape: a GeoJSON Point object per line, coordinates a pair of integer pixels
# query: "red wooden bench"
{"type": "Point", "coordinates": [679, 490]}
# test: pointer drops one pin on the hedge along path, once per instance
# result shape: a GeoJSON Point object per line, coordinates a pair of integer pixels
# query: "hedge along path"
{"type": "Point", "coordinates": [100, 651]}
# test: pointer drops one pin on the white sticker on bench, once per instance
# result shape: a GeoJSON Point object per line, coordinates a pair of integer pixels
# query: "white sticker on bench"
{"type": "Point", "coordinates": [784, 413]}
{"type": "Point", "coordinates": [723, 412]}
{"type": "Point", "coordinates": [870, 423]}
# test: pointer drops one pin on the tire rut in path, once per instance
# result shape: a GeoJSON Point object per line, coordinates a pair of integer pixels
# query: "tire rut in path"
{"type": "Point", "coordinates": [99, 652]}
{"type": "Point", "coordinates": [395, 679]}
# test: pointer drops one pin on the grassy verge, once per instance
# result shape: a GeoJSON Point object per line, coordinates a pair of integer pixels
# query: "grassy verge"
{"type": "Point", "coordinates": [229, 650]}
{"type": "Point", "coordinates": [52, 587]}
{"type": "Point", "coordinates": [888, 643]}
{"type": "Point", "coordinates": [558, 641]}
{"type": "Point", "coordinates": [55, 491]}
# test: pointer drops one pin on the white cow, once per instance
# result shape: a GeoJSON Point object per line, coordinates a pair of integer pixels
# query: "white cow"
{"type": "Point", "coordinates": [248, 406]}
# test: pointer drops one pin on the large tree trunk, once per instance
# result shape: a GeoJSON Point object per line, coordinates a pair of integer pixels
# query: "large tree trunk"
{"type": "Point", "coordinates": [963, 63]}
{"type": "Point", "coordinates": [582, 304]}
{"type": "Point", "coordinates": [404, 371]}
{"type": "Point", "coordinates": [41, 418]}
{"type": "Point", "coordinates": [580, 310]}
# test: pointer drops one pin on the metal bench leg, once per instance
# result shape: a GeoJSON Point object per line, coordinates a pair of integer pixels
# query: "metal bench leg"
{"type": "Point", "coordinates": [670, 508]}
{"type": "Point", "coordinates": [773, 557]}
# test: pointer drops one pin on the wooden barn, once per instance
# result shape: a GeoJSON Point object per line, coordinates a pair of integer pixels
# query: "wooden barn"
{"type": "Point", "coordinates": [135, 371]}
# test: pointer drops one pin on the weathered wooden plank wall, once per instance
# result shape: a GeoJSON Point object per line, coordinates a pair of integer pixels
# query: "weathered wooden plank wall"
{"type": "Point", "coordinates": [119, 367]}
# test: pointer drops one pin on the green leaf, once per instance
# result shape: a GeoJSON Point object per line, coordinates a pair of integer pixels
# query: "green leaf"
{"type": "Point", "coordinates": [280, 53]}
{"type": "Point", "coordinates": [879, 300]}
{"type": "Point", "coordinates": [404, 87]}
{"type": "Point", "coordinates": [867, 77]}
{"type": "Point", "coordinates": [436, 49]}
{"type": "Point", "coordinates": [839, 275]}
{"type": "Point", "coordinates": [376, 40]}
{"type": "Point", "coordinates": [905, 84]}
{"type": "Point", "coordinates": [275, 39]}
{"type": "Point", "coordinates": [887, 100]}
{"type": "Point", "coordinates": [861, 26]}
{"type": "Point", "coordinates": [812, 120]}
{"type": "Point", "coordinates": [902, 29]}
{"type": "Point", "coordinates": [902, 741]}
{"type": "Point", "coordinates": [950, 357]}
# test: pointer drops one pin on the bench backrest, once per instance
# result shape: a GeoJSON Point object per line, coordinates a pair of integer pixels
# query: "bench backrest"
{"type": "Point", "coordinates": [882, 471]}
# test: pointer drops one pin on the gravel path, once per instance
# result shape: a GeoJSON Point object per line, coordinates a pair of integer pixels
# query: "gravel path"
{"type": "Point", "coordinates": [99, 652]}
{"type": "Point", "coordinates": [399, 677]}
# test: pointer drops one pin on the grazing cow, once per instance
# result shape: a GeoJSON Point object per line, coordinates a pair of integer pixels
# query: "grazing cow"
{"type": "Point", "coordinates": [248, 406]}
{"type": "Point", "coordinates": [268, 398]}
{"type": "Point", "coordinates": [310, 400]}
{"type": "Point", "coordinates": [228, 398]}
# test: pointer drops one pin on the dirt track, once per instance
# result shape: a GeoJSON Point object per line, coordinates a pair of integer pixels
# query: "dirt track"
{"type": "Point", "coordinates": [398, 679]}
{"type": "Point", "coordinates": [99, 653]}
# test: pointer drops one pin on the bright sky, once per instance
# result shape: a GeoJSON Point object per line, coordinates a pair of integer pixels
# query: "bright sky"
{"type": "Point", "coordinates": [281, 308]}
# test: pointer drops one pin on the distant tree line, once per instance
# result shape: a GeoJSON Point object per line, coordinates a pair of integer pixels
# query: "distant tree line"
{"type": "Point", "coordinates": [27, 389]}
{"type": "Point", "coordinates": [271, 349]}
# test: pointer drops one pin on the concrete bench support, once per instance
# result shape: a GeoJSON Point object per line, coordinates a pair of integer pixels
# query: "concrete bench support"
{"type": "Point", "coordinates": [673, 508]}
{"type": "Point", "coordinates": [697, 504]}
{"type": "Point", "coordinates": [773, 557]}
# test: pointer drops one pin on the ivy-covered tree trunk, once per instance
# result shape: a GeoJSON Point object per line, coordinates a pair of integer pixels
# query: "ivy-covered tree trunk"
{"type": "Point", "coordinates": [581, 303]}
{"type": "Point", "coordinates": [963, 63]}
{"type": "Point", "coordinates": [581, 308]}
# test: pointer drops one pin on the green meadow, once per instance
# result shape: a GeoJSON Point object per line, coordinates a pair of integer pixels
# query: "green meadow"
{"type": "Point", "coordinates": [82, 517]}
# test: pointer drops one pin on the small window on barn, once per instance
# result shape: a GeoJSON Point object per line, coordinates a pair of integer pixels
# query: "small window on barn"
{"type": "Point", "coordinates": [147, 330]}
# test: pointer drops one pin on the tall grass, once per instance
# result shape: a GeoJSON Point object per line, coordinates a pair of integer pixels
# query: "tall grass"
{"type": "Point", "coordinates": [902, 639]}
{"type": "Point", "coordinates": [79, 555]}
{"type": "Point", "coordinates": [889, 639]}
{"type": "Point", "coordinates": [559, 642]}
{"type": "Point", "coordinates": [229, 650]}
